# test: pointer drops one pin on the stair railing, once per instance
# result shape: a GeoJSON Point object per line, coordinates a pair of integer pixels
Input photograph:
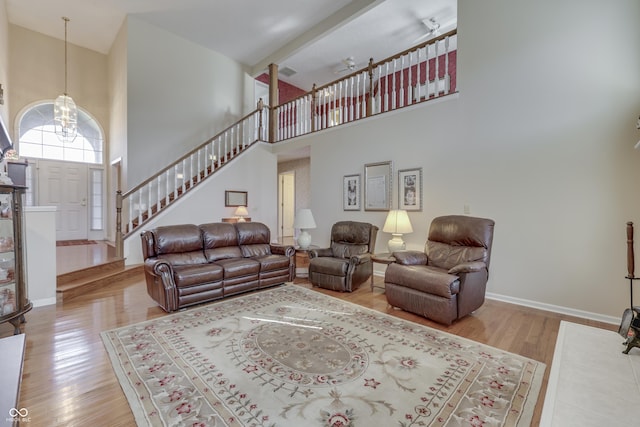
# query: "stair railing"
{"type": "Point", "coordinates": [138, 205]}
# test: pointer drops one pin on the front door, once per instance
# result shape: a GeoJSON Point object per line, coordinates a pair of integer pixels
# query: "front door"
{"type": "Point", "coordinates": [64, 185]}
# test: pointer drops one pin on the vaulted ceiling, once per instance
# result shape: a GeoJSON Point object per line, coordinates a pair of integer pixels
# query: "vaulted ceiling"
{"type": "Point", "coordinates": [310, 37]}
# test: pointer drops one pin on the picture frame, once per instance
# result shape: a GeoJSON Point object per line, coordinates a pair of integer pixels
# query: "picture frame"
{"type": "Point", "coordinates": [351, 192]}
{"type": "Point", "coordinates": [378, 178]}
{"type": "Point", "coordinates": [235, 198]}
{"type": "Point", "coordinates": [410, 189]}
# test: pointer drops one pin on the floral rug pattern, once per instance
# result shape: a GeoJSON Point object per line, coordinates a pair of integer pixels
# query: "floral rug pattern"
{"type": "Point", "coordinates": [289, 356]}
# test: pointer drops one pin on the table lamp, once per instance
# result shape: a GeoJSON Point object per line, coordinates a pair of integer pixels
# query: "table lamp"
{"type": "Point", "coordinates": [241, 212]}
{"type": "Point", "coordinates": [304, 221]}
{"type": "Point", "coordinates": [397, 224]}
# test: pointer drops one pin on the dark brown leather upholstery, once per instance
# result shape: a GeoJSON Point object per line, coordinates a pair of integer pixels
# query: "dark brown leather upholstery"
{"type": "Point", "coordinates": [188, 264]}
{"type": "Point", "coordinates": [448, 280]}
{"type": "Point", "coordinates": [347, 262]}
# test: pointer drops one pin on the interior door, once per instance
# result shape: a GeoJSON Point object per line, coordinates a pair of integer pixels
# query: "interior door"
{"type": "Point", "coordinates": [287, 203]}
{"type": "Point", "coordinates": [64, 185]}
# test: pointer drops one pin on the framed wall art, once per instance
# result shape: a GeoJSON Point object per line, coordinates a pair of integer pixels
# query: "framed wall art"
{"type": "Point", "coordinates": [351, 192]}
{"type": "Point", "coordinates": [410, 189]}
{"type": "Point", "coordinates": [235, 198]}
{"type": "Point", "coordinates": [377, 186]}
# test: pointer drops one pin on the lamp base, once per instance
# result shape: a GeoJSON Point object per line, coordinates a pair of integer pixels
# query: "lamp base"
{"type": "Point", "coordinates": [241, 219]}
{"type": "Point", "coordinates": [304, 239]}
{"type": "Point", "coordinates": [396, 243]}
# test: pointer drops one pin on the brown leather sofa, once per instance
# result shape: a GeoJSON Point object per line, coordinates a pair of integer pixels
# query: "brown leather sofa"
{"type": "Point", "coordinates": [347, 262]}
{"type": "Point", "coordinates": [448, 280]}
{"type": "Point", "coordinates": [189, 264]}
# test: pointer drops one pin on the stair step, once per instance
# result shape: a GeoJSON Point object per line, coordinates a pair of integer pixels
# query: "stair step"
{"type": "Point", "coordinates": [94, 278]}
{"type": "Point", "coordinates": [110, 266]}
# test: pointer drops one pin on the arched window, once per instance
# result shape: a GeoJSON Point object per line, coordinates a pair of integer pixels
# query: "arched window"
{"type": "Point", "coordinates": [37, 138]}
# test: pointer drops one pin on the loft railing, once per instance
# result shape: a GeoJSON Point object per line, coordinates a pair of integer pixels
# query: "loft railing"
{"type": "Point", "coordinates": [424, 72]}
{"type": "Point", "coordinates": [140, 204]}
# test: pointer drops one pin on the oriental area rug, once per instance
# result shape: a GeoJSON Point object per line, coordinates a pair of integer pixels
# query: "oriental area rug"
{"type": "Point", "coordinates": [290, 356]}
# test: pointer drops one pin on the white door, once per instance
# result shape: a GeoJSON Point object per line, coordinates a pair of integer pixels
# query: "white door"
{"type": "Point", "coordinates": [64, 185]}
{"type": "Point", "coordinates": [287, 203]}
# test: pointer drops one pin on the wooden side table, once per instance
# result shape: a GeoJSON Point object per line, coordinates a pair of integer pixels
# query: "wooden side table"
{"type": "Point", "coordinates": [383, 258]}
{"type": "Point", "coordinates": [302, 260]}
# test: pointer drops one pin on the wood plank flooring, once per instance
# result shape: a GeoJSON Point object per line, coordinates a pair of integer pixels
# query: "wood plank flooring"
{"type": "Point", "coordinates": [68, 379]}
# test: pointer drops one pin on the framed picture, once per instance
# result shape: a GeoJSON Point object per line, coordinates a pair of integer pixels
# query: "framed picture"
{"type": "Point", "coordinates": [377, 186]}
{"type": "Point", "coordinates": [351, 192]}
{"type": "Point", "coordinates": [235, 198]}
{"type": "Point", "coordinates": [410, 189]}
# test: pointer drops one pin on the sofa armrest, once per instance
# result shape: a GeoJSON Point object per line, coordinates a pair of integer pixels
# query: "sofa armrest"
{"type": "Point", "coordinates": [286, 250]}
{"type": "Point", "coordinates": [410, 258]}
{"type": "Point", "coordinates": [314, 253]}
{"type": "Point", "coordinates": [467, 267]}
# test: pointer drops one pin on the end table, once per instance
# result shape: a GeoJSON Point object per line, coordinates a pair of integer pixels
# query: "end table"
{"type": "Point", "coordinates": [383, 258]}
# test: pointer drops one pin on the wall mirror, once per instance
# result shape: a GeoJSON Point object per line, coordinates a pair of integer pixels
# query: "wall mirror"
{"type": "Point", "coordinates": [377, 186]}
{"type": "Point", "coordinates": [235, 198]}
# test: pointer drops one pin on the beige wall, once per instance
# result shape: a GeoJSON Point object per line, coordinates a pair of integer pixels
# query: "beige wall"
{"type": "Point", "coordinates": [37, 73]}
{"type": "Point", "coordinates": [4, 65]}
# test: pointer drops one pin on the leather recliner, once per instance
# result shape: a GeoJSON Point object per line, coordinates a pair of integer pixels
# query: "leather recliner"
{"type": "Point", "coordinates": [448, 280]}
{"type": "Point", "coordinates": [347, 262]}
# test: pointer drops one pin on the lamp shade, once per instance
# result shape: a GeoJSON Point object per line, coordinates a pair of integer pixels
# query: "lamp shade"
{"type": "Point", "coordinates": [304, 219]}
{"type": "Point", "coordinates": [397, 222]}
{"type": "Point", "coordinates": [241, 211]}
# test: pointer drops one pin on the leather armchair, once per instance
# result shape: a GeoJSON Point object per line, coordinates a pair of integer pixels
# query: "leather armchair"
{"type": "Point", "coordinates": [347, 262]}
{"type": "Point", "coordinates": [448, 280]}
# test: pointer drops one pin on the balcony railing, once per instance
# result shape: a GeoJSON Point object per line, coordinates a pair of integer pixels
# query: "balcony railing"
{"type": "Point", "coordinates": [416, 75]}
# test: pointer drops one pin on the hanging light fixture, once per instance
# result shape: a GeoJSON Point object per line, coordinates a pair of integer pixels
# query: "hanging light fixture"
{"type": "Point", "coordinates": [65, 112]}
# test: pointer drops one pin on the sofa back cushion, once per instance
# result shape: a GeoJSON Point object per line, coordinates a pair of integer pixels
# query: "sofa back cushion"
{"type": "Point", "coordinates": [253, 238]}
{"type": "Point", "coordinates": [220, 241]}
{"type": "Point", "coordinates": [179, 244]}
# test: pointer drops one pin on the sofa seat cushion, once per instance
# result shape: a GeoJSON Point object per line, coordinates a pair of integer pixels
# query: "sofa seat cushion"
{"type": "Point", "coordinates": [190, 275]}
{"type": "Point", "coordinates": [330, 266]}
{"type": "Point", "coordinates": [423, 278]}
{"type": "Point", "coordinates": [184, 258]}
{"type": "Point", "coordinates": [238, 267]}
{"type": "Point", "coordinates": [273, 262]}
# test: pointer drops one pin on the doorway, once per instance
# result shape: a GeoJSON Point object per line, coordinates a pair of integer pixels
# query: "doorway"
{"type": "Point", "coordinates": [64, 185]}
{"type": "Point", "coordinates": [286, 204]}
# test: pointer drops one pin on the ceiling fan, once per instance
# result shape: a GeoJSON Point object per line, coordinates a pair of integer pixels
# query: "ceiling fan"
{"type": "Point", "coordinates": [432, 27]}
{"type": "Point", "coordinates": [348, 64]}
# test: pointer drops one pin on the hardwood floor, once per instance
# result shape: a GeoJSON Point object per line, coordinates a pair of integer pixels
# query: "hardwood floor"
{"type": "Point", "coordinates": [68, 379]}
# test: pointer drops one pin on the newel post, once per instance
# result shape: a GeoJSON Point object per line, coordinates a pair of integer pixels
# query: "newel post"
{"type": "Point", "coordinates": [119, 240]}
{"type": "Point", "coordinates": [260, 108]}
{"type": "Point", "coordinates": [313, 108]}
{"type": "Point", "coordinates": [370, 101]}
{"type": "Point", "coordinates": [273, 102]}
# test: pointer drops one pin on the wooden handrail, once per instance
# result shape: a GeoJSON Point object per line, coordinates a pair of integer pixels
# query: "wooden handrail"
{"type": "Point", "coordinates": [195, 150]}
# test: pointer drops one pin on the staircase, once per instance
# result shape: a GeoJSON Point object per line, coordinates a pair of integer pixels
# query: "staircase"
{"type": "Point", "coordinates": [92, 279]}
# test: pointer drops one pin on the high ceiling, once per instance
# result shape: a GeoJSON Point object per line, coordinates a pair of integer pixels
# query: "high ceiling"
{"type": "Point", "coordinates": [309, 36]}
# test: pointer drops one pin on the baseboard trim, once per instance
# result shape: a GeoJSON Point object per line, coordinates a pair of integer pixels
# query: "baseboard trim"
{"type": "Point", "coordinates": [44, 301]}
{"type": "Point", "coordinates": [555, 308]}
{"type": "Point", "coordinates": [544, 306]}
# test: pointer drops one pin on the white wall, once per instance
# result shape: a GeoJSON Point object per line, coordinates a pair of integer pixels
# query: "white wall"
{"type": "Point", "coordinates": [179, 95]}
{"type": "Point", "coordinates": [255, 172]}
{"type": "Point", "coordinates": [540, 138]}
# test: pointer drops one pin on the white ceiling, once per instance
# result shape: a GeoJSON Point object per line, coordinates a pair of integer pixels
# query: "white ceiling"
{"type": "Point", "coordinates": [309, 36]}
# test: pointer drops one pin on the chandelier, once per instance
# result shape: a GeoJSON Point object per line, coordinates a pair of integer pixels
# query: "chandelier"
{"type": "Point", "coordinates": [65, 112]}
